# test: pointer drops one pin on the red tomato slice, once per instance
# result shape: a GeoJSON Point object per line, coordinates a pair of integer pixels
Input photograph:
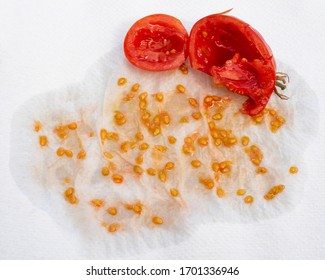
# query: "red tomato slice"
{"type": "Point", "coordinates": [236, 56]}
{"type": "Point", "coordinates": [156, 43]}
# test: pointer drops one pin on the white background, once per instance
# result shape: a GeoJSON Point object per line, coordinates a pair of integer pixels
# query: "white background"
{"type": "Point", "coordinates": [48, 44]}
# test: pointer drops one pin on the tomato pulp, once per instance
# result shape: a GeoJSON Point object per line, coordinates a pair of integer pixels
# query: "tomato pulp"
{"type": "Point", "coordinates": [236, 56]}
{"type": "Point", "coordinates": [156, 43]}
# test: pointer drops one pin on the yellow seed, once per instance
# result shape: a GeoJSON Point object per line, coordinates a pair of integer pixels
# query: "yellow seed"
{"type": "Point", "coordinates": [183, 68]}
{"type": "Point", "coordinates": [218, 142]}
{"type": "Point", "coordinates": [135, 87]}
{"type": "Point", "coordinates": [220, 192]}
{"type": "Point", "coordinates": [91, 134]}
{"type": "Point", "coordinates": [121, 81]}
{"type": "Point", "coordinates": [113, 227]}
{"type": "Point", "coordinates": [70, 197]}
{"type": "Point", "coordinates": [167, 53]}
{"type": "Point", "coordinates": [161, 148]}
{"type": "Point", "coordinates": [208, 101]}
{"type": "Point", "coordinates": [217, 116]}
{"type": "Point", "coordinates": [196, 163]}
{"type": "Point", "coordinates": [108, 155]}
{"type": "Point", "coordinates": [43, 140]}
{"type": "Point", "coordinates": [280, 119]}
{"type": "Point", "coordinates": [139, 136]}
{"type": "Point", "coordinates": [245, 140]}
{"type": "Point", "coordinates": [146, 115]}
{"type": "Point", "coordinates": [258, 119]}
{"type": "Point", "coordinates": [37, 126]}
{"type": "Point", "coordinates": [143, 96]}
{"type": "Point", "coordinates": [112, 211]}
{"type": "Point", "coordinates": [165, 118]}
{"type": "Point", "coordinates": [137, 209]}
{"type": "Point", "coordinates": [214, 133]}
{"type": "Point", "coordinates": [125, 146]}
{"type": "Point", "coordinates": [207, 182]}
{"type": "Point", "coordinates": [173, 51]}
{"type": "Point", "coordinates": [188, 149]}
{"type": "Point", "coordinates": [276, 124]}
{"type": "Point", "coordinates": [144, 146]}
{"type": "Point", "coordinates": [112, 166]}
{"type": "Point", "coordinates": [117, 178]}
{"type": "Point", "coordinates": [82, 154]}
{"type": "Point", "coordinates": [143, 104]}
{"type": "Point", "coordinates": [129, 96]}
{"type": "Point", "coordinates": [197, 115]}
{"type": "Point", "coordinates": [98, 203]}
{"type": "Point", "coordinates": [159, 97]}
{"type": "Point", "coordinates": [157, 220]}
{"type": "Point", "coordinates": [129, 207]}
{"type": "Point", "coordinates": [73, 126]}
{"type": "Point", "coordinates": [139, 159]}
{"type": "Point", "coordinates": [73, 199]}
{"type": "Point", "coordinates": [61, 131]}
{"type": "Point", "coordinates": [180, 88]}
{"type": "Point", "coordinates": [212, 124]}
{"type": "Point", "coordinates": [241, 192]}
{"type": "Point", "coordinates": [261, 170]}
{"type": "Point", "coordinates": [60, 152]}
{"type": "Point", "coordinates": [204, 34]}
{"type": "Point", "coordinates": [230, 141]}
{"type": "Point", "coordinates": [67, 180]}
{"type": "Point", "coordinates": [169, 165]}
{"type": "Point", "coordinates": [188, 140]}
{"type": "Point", "coordinates": [151, 171]}
{"type": "Point", "coordinates": [137, 169]}
{"type": "Point", "coordinates": [265, 111]}
{"type": "Point", "coordinates": [274, 191]}
{"type": "Point", "coordinates": [225, 167]}
{"type": "Point", "coordinates": [255, 161]}
{"type": "Point", "coordinates": [156, 120]}
{"type": "Point", "coordinates": [215, 166]}
{"type": "Point", "coordinates": [248, 199]}
{"type": "Point", "coordinates": [156, 131]}
{"type": "Point", "coordinates": [184, 119]}
{"type": "Point", "coordinates": [293, 169]}
{"type": "Point", "coordinates": [223, 133]}
{"type": "Point", "coordinates": [119, 118]}
{"type": "Point", "coordinates": [272, 112]}
{"type": "Point", "coordinates": [172, 139]}
{"type": "Point", "coordinates": [174, 192]}
{"type": "Point", "coordinates": [112, 136]}
{"type": "Point", "coordinates": [103, 134]}
{"type": "Point", "coordinates": [69, 191]}
{"type": "Point", "coordinates": [162, 176]}
{"type": "Point", "coordinates": [193, 102]}
{"type": "Point", "coordinates": [105, 171]}
{"type": "Point", "coordinates": [68, 153]}
{"type": "Point", "coordinates": [203, 141]}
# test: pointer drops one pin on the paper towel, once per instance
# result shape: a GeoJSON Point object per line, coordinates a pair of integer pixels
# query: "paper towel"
{"type": "Point", "coordinates": [40, 174]}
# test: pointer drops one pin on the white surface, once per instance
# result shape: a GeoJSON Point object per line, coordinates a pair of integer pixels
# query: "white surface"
{"type": "Point", "coordinates": [47, 45]}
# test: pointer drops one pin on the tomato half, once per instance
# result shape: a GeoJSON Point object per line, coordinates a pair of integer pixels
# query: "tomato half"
{"type": "Point", "coordinates": [236, 56]}
{"type": "Point", "coordinates": [156, 43]}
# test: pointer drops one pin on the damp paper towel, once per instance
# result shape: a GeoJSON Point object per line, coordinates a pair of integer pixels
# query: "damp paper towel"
{"type": "Point", "coordinates": [45, 177]}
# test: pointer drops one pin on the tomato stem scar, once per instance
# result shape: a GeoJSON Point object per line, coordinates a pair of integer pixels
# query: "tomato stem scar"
{"type": "Point", "coordinates": [225, 12]}
{"type": "Point", "coordinates": [281, 80]}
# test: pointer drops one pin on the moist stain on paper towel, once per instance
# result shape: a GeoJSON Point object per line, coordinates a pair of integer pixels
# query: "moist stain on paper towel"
{"type": "Point", "coordinates": [130, 158]}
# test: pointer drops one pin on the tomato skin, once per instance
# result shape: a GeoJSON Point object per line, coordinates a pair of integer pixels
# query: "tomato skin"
{"type": "Point", "coordinates": [237, 57]}
{"type": "Point", "coordinates": [156, 42]}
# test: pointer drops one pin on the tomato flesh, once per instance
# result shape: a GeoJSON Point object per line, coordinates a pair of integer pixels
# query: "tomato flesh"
{"type": "Point", "coordinates": [156, 43]}
{"type": "Point", "coordinates": [236, 56]}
